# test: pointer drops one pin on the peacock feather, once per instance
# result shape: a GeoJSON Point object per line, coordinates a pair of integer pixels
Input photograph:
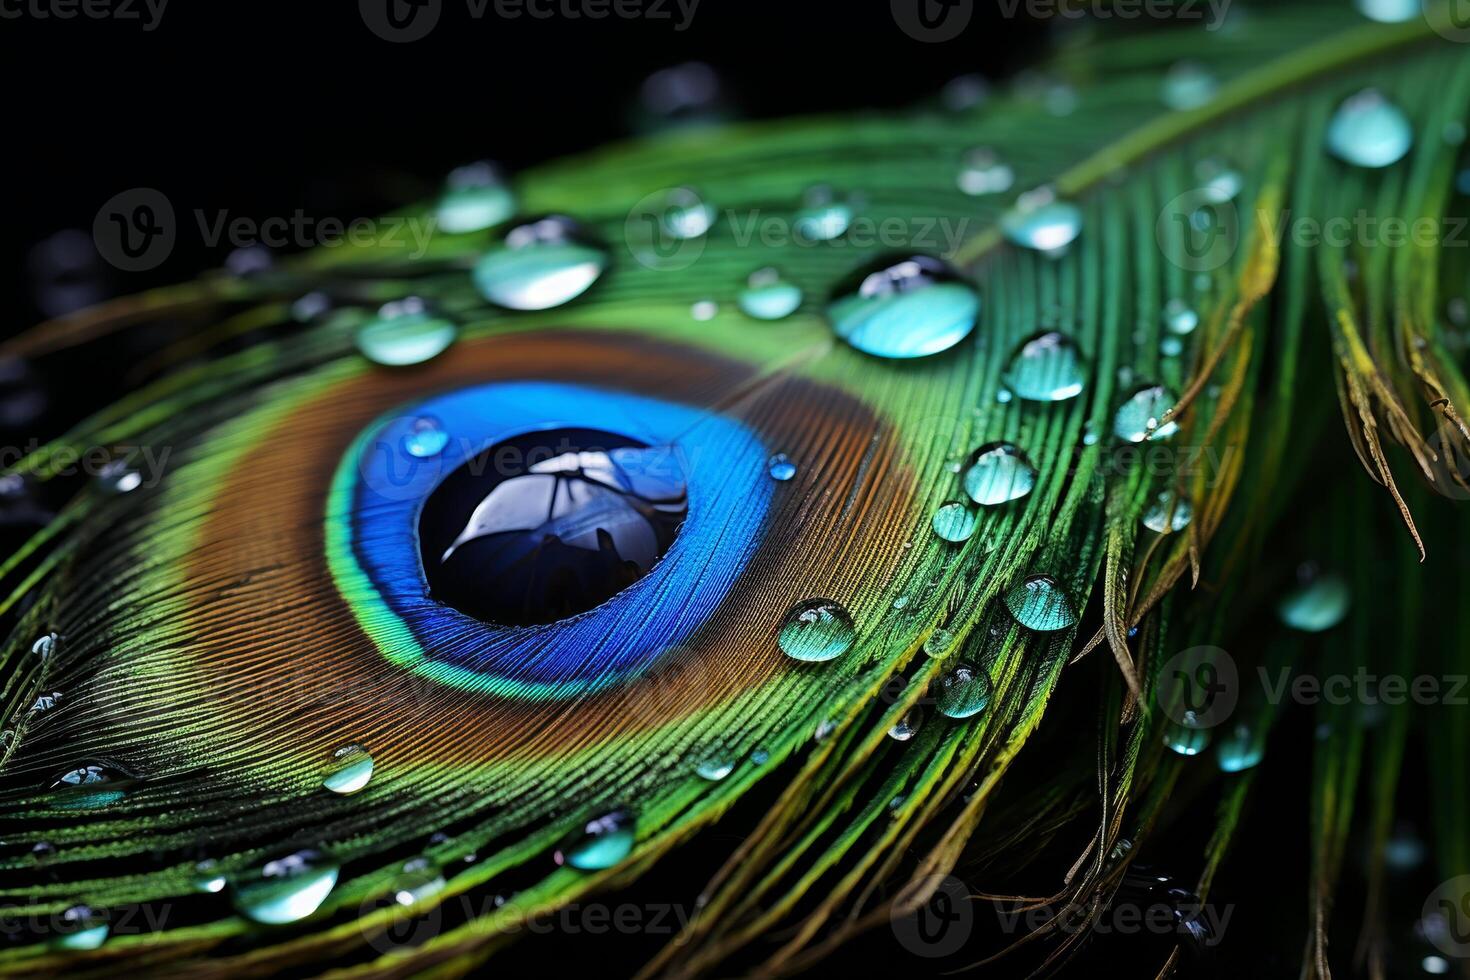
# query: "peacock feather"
{"type": "Point", "coordinates": [795, 521]}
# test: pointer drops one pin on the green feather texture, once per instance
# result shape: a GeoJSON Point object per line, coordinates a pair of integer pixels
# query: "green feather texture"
{"type": "Point", "coordinates": [1014, 469]}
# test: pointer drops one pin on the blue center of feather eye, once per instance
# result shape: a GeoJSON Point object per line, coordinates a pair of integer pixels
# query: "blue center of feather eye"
{"type": "Point", "coordinates": [443, 578]}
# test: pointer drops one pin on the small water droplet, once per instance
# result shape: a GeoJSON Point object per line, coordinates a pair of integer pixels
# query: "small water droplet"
{"type": "Point", "coordinates": [1369, 131]}
{"type": "Point", "coordinates": [1189, 85]}
{"type": "Point", "coordinates": [983, 172]}
{"type": "Point", "coordinates": [822, 216]}
{"type": "Point", "coordinates": [286, 889]}
{"type": "Point", "coordinates": [1166, 514]}
{"type": "Point", "coordinates": [601, 843]}
{"type": "Point", "coordinates": [81, 928]}
{"type": "Point", "coordinates": [476, 197]}
{"type": "Point", "coordinates": [1040, 603]}
{"type": "Point", "coordinates": [908, 726]}
{"type": "Point", "coordinates": [760, 757]}
{"type": "Point", "coordinates": [715, 769]}
{"type": "Point", "coordinates": [1221, 182]}
{"type": "Point", "coordinates": [1171, 347]}
{"type": "Point", "coordinates": [1239, 751]}
{"type": "Point", "coordinates": [1319, 600]}
{"type": "Point", "coordinates": [824, 730]}
{"type": "Point", "coordinates": [1390, 11]}
{"type": "Point", "coordinates": [46, 702]}
{"type": "Point", "coordinates": [903, 307]}
{"type": "Point", "coordinates": [89, 787]}
{"type": "Point", "coordinates": [954, 522]}
{"type": "Point", "coordinates": [405, 332]}
{"type": "Point", "coordinates": [964, 92]}
{"type": "Point", "coordinates": [999, 472]}
{"type": "Point", "coordinates": [351, 767]}
{"type": "Point", "coordinates": [1139, 417]}
{"type": "Point", "coordinates": [1179, 318]}
{"type": "Point", "coordinates": [781, 468]}
{"type": "Point", "coordinates": [817, 630]}
{"type": "Point", "coordinates": [1040, 221]}
{"type": "Point", "coordinates": [686, 215]}
{"type": "Point", "coordinates": [963, 692]}
{"type": "Point", "coordinates": [208, 878]}
{"type": "Point", "coordinates": [1186, 738]}
{"type": "Point", "coordinates": [42, 851]}
{"type": "Point", "coordinates": [705, 309]}
{"type": "Point", "coordinates": [901, 603]}
{"type": "Point", "coordinates": [542, 264]}
{"type": "Point", "coordinates": [1003, 395]}
{"type": "Point", "coordinates": [427, 438]}
{"type": "Point", "coordinates": [419, 879]}
{"type": "Point", "coordinates": [938, 643]}
{"type": "Point", "coordinates": [768, 297]}
{"type": "Point", "coordinates": [1046, 367]}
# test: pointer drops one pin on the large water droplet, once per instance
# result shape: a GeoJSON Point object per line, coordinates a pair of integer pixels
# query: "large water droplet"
{"type": "Point", "coordinates": [963, 692]}
{"type": "Point", "coordinates": [1139, 417]}
{"type": "Point", "coordinates": [1319, 600]}
{"type": "Point", "coordinates": [208, 879]}
{"type": "Point", "coordinates": [1167, 514]}
{"type": "Point", "coordinates": [475, 197]}
{"type": "Point", "coordinates": [1189, 85]}
{"type": "Point", "coordinates": [715, 769]}
{"type": "Point", "coordinates": [983, 172]}
{"type": "Point", "coordinates": [817, 630]}
{"type": "Point", "coordinates": [781, 468]}
{"type": "Point", "coordinates": [954, 522]}
{"type": "Point", "coordinates": [1040, 603]}
{"type": "Point", "coordinates": [81, 928]}
{"type": "Point", "coordinates": [405, 332]}
{"type": "Point", "coordinates": [286, 889]}
{"type": "Point", "coordinates": [823, 216]}
{"type": "Point", "coordinates": [601, 843]}
{"type": "Point", "coordinates": [1390, 11]}
{"type": "Point", "coordinates": [419, 879]}
{"type": "Point", "coordinates": [999, 472]}
{"type": "Point", "coordinates": [549, 524]}
{"type": "Point", "coordinates": [88, 787]}
{"type": "Point", "coordinates": [768, 297]}
{"type": "Point", "coordinates": [1369, 131]}
{"type": "Point", "coordinates": [1186, 738]}
{"type": "Point", "coordinates": [903, 307]}
{"type": "Point", "coordinates": [351, 767]}
{"type": "Point", "coordinates": [1040, 221]}
{"type": "Point", "coordinates": [1239, 750]}
{"type": "Point", "coordinates": [1046, 367]}
{"type": "Point", "coordinates": [542, 263]}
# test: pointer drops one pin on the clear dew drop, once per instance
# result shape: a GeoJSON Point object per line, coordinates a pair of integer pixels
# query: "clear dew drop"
{"type": "Point", "coordinates": [704, 310]}
{"type": "Point", "coordinates": [351, 768]}
{"type": "Point", "coordinates": [1139, 417]}
{"type": "Point", "coordinates": [118, 477]}
{"type": "Point", "coordinates": [208, 878]}
{"type": "Point", "coordinates": [1186, 738]}
{"type": "Point", "coordinates": [1040, 603]}
{"type": "Point", "coordinates": [1390, 11]}
{"type": "Point", "coordinates": [286, 889]}
{"type": "Point", "coordinates": [475, 197]}
{"type": "Point", "coordinates": [824, 731]}
{"type": "Point", "coordinates": [1239, 750]}
{"type": "Point", "coordinates": [999, 472]}
{"type": "Point", "coordinates": [1171, 347]}
{"type": "Point", "coordinates": [908, 726]}
{"type": "Point", "coordinates": [816, 630]}
{"type": "Point", "coordinates": [1220, 182]}
{"type": "Point", "coordinates": [1046, 367]}
{"type": "Point", "coordinates": [1040, 221]}
{"type": "Point", "coordinates": [405, 332]}
{"type": "Point", "coordinates": [542, 263]}
{"type": "Point", "coordinates": [760, 757]}
{"type": "Point", "coordinates": [954, 522]}
{"type": "Point", "coordinates": [823, 216]}
{"type": "Point", "coordinates": [1168, 514]}
{"type": "Point", "coordinates": [81, 928]}
{"type": "Point", "coordinates": [904, 307]}
{"type": "Point", "coordinates": [781, 468]}
{"type": "Point", "coordinates": [767, 296]}
{"type": "Point", "coordinates": [601, 843]}
{"type": "Point", "coordinates": [1189, 85]}
{"type": "Point", "coordinates": [964, 692]}
{"type": "Point", "coordinates": [715, 769]}
{"type": "Point", "coordinates": [419, 879]}
{"type": "Point", "coordinates": [938, 643]}
{"type": "Point", "coordinates": [89, 787]}
{"type": "Point", "coordinates": [983, 172]}
{"type": "Point", "coordinates": [1367, 130]}
{"type": "Point", "coordinates": [686, 215]}
{"type": "Point", "coordinates": [1318, 601]}
{"type": "Point", "coordinates": [425, 439]}
{"type": "Point", "coordinates": [1179, 317]}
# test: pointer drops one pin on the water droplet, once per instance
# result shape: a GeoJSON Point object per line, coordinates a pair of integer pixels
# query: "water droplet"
{"type": "Point", "coordinates": [45, 646]}
{"type": "Point", "coordinates": [46, 702]}
{"type": "Point", "coordinates": [1369, 131]}
{"type": "Point", "coordinates": [903, 307]}
{"type": "Point", "coordinates": [964, 92]}
{"type": "Point", "coordinates": [1138, 418]}
{"type": "Point", "coordinates": [715, 769]}
{"type": "Point", "coordinates": [208, 878]}
{"type": "Point", "coordinates": [542, 263]}
{"type": "Point", "coordinates": [475, 198]}
{"type": "Point", "coordinates": [686, 215]}
{"type": "Point", "coordinates": [1390, 11]}
{"type": "Point", "coordinates": [901, 603]}
{"type": "Point", "coordinates": [999, 472]}
{"type": "Point", "coordinates": [760, 757]}
{"type": "Point", "coordinates": [1189, 85]}
{"type": "Point", "coordinates": [116, 476]}
{"type": "Point", "coordinates": [426, 439]}
{"type": "Point", "coordinates": [817, 630]}
{"type": "Point", "coordinates": [781, 467]}
{"type": "Point", "coordinates": [1179, 318]}
{"type": "Point", "coordinates": [81, 928]}
{"type": "Point", "coordinates": [286, 889]}
{"type": "Point", "coordinates": [1040, 603]}
{"type": "Point", "coordinates": [531, 540]}
{"type": "Point", "coordinates": [822, 216]}
{"type": "Point", "coordinates": [1040, 221]}
{"type": "Point", "coordinates": [88, 787]}
{"type": "Point", "coordinates": [1435, 965]}
{"type": "Point", "coordinates": [824, 730]}
{"type": "Point", "coordinates": [768, 297]}
{"type": "Point", "coordinates": [1003, 395]}
{"type": "Point", "coordinates": [1221, 182]}
{"type": "Point", "coordinates": [705, 309]}
{"type": "Point", "coordinates": [684, 96]}
{"type": "Point", "coordinates": [1171, 347]}
{"type": "Point", "coordinates": [1319, 600]}
{"type": "Point", "coordinates": [983, 172]}
{"type": "Point", "coordinates": [1238, 750]}
{"type": "Point", "coordinates": [1046, 367]}
{"type": "Point", "coordinates": [907, 726]}
{"type": "Point", "coordinates": [1166, 514]}
{"type": "Point", "coordinates": [352, 767]}
{"type": "Point", "coordinates": [405, 332]}
{"type": "Point", "coordinates": [954, 522]}
{"type": "Point", "coordinates": [1089, 435]}
{"type": "Point", "coordinates": [963, 692]}
{"type": "Point", "coordinates": [1186, 738]}
{"type": "Point", "coordinates": [419, 879]}
{"type": "Point", "coordinates": [938, 643]}
{"type": "Point", "coordinates": [601, 843]}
